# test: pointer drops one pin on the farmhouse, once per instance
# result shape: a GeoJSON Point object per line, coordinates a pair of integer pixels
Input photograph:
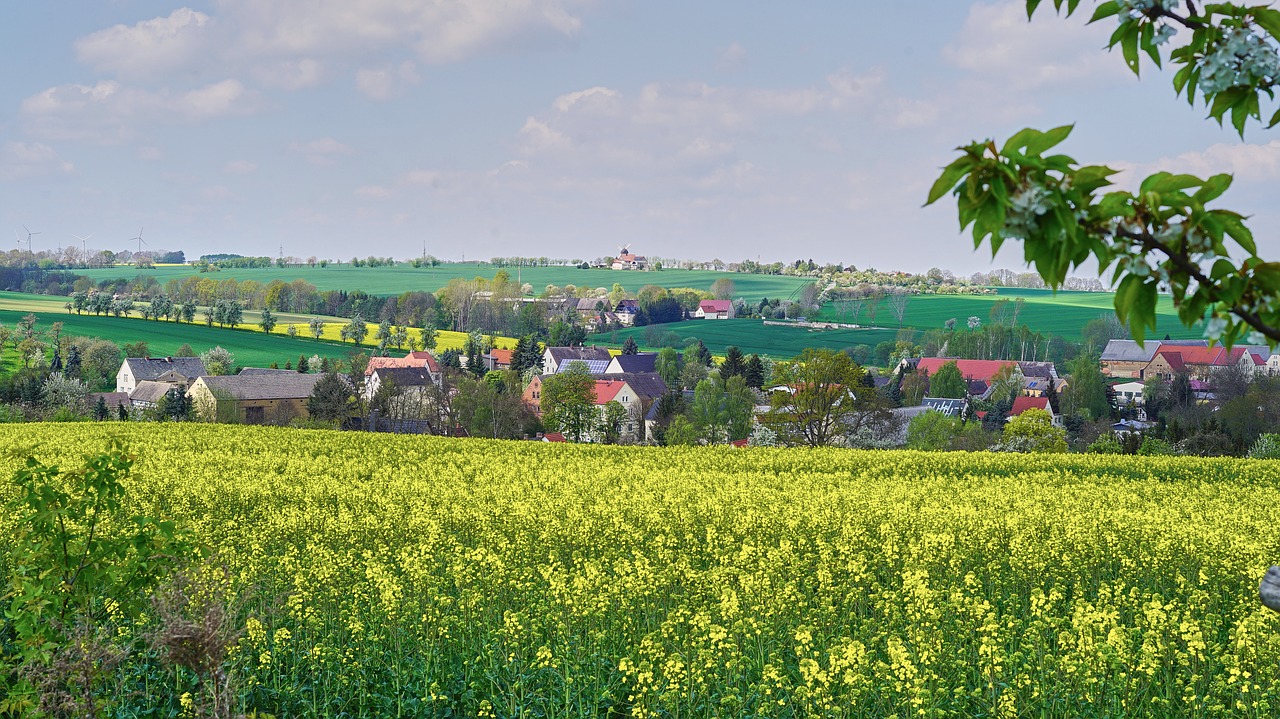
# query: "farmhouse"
{"type": "Point", "coordinates": [714, 310]}
{"type": "Point", "coordinates": [424, 360]}
{"type": "Point", "coordinates": [147, 393]}
{"type": "Point", "coordinates": [1024, 403]}
{"type": "Point", "coordinates": [984, 370]}
{"type": "Point", "coordinates": [498, 359]}
{"type": "Point", "coordinates": [1200, 362]}
{"type": "Point", "coordinates": [642, 362]}
{"type": "Point", "coordinates": [172, 370]}
{"type": "Point", "coordinates": [253, 398]}
{"type": "Point", "coordinates": [557, 359]}
{"type": "Point", "coordinates": [628, 261]}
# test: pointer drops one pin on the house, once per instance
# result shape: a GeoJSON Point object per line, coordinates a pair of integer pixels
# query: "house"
{"type": "Point", "coordinates": [147, 393]}
{"type": "Point", "coordinates": [533, 393]}
{"type": "Point", "coordinates": [714, 310]}
{"type": "Point", "coordinates": [984, 370]}
{"type": "Point", "coordinates": [412, 381]}
{"type": "Point", "coordinates": [172, 370]}
{"type": "Point", "coordinates": [113, 400]}
{"type": "Point", "coordinates": [497, 359]}
{"type": "Point", "coordinates": [593, 305]}
{"type": "Point", "coordinates": [1200, 362]}
{"type": "Point", "coordinates": [626, 311]}
{"type": "Point", "coordinates": [626, 260]}
{"type": "Point", "coordinates": [620, 391]}
{"type": "Point", "coordinates": [1128, 393]}
{"type": "Point", "coordinates": [1024, 403]}
{"type": "Point", "coordinates": [552, 437]}
{"type": "Point", "coordinates": [254, 398]}
{"type": "Point", "coordinates": [945, 405]}
{"type": "Point", "coordinates": [556, 359]}
{"type": "Point", "coordinates": [423, 360]}
{"type": "Point", "coordinates": [642, 362]}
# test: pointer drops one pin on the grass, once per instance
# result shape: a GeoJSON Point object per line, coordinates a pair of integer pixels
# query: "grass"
{"type": "Point", "coordinates": [395, 280]}
{"type": "Point", "coordinates": [251, 346]}
{"type": "Point", "coordinates": [1061, 313]}
{"type": "Point", "coordinates": [753, 336]}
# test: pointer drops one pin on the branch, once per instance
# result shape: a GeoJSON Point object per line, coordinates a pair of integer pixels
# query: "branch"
{"type": "Point", "coordinates": [1149, 242]}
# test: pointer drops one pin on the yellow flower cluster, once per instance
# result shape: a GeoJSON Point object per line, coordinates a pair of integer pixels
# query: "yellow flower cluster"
{"type": "Point", "coordinates": [430, 576]}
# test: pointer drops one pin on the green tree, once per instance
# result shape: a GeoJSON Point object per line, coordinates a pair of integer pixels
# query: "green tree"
{"type": "Point", "coordinates": [267, 321]}
{"type": "Point", "coordinates": [613, 422]}
{"type": "Point", "coordinates": [823, 390]}
{"type": "Point", "coordinates": [708, 413]}
{"type": "Point", "coordinates": [331, 399]}
{"type": "Point", "coordinates": [1086, 393]}
{"type": "Point", "coordinates": [1033, 431]}
{"type": "Point", "coordinates": [948, 382]}
{"type": "Point", "coordinates": [1165, 235]}
{"type": "Point", "coordinates": [316, 326]}
{"type": "Point", "coordinates": [667, 366]}
{"type": "Point", "coordinates": [932, 431]}
{"type": "Point", "coordinates": [568, 403]}
{"type": "Point", "coordinates": [754, 373]}
{"type": "Point", "coordinates": [734, 363]}
{"type": "Point", "coordinates": [630, 347]}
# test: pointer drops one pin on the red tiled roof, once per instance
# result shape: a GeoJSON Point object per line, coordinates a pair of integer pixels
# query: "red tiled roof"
{"type": "Point", "coordinates": [502, 356]}
{"type": "Point", "coordinates": [413, 359]}
{"type": "Point", "coordinates": [969, 369]}
{"type": "Point", "coordinates": [1206, 356]}
{"type": "Point", "coordinates": [740, 443]}
{"type": "Point", "coordinates": [553, 437]}
{"type": "Point", "coordinates": [607, 390]}
{"type": "Point", "coordinates": [1022, 404]}
{"type": "Point", "coordinates": [715, 305]}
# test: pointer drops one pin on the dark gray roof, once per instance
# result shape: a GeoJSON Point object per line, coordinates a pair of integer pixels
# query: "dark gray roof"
{"type": "Point", "coordinates": [560, 354]}
{"type": "Point", "coordinates": [249, 371]}
{"type": "Point", "coordinates": [404, 376]}
{"type": "Point", "coordinates": [144, 368]}
{"type": "Point", "coordinates": [1129, 351]}
{"type": "Point", "coordinates": [1037, 369]}
{"type": "Point", "coordinates": [644, 362]}
{"type": "Point", "coordinates": [588, 304]}
{"type": "Point", "coordinates": [110, 398]}
{"type": "Point", "coordinates": [945, 405]}
{"type": "Point", "coordinates": [149, 391]}
{"type": "Point", "coordinates": [274, 385]}
{"type": "Point", "coordinates": [648, 385]}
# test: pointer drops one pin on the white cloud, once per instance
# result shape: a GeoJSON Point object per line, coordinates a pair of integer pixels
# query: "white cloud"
{"type": "Point", "coordinates": [110, 112]}
{"type": "Point", "coordinates": [375, 191]}
{"type": "Point", "coordinates": [998, 43]}
{"type": "Point", "coordinates": [439, 31]}
{"type": "Point", "coordinates": [731, 58]}
{"type": "Point", "coordinates": [1246, 162]}
{"type": "Point", "coordinates": [240, 167]}
{"type": "Point", "coordinates": [293, 74]}
{"type": "Point", "coordinates": [147, 48]}
{"type": "Point", "coordinates": [323, 151]}
{"type": "Point", "coordinates": [22, 160]}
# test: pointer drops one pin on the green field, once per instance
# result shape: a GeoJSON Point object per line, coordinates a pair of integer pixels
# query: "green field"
{"type": "Point", "coordinates": [395, 280]}
{"type": "Point", "coordinates": [753, 336]}
{"type": "Point", "coordinates": [1061, 313]}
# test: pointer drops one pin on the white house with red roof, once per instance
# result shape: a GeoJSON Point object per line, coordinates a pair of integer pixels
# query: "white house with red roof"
{"type": "Point", "coordinates": [1024, 403]}
{"type": "Point", "coordinates": [714, 310]}
{"type": "Point", "coordinates": [424, 360]}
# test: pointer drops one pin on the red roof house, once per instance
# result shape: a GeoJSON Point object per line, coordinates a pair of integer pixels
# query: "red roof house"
{"type": "Point", "coordinates": [714, 310]}
{"type": "Point", "coordinates": [983, 370]}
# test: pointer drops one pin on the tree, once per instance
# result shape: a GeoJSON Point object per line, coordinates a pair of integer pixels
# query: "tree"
{"type": "Point", "coordinates": [218, 361]}
{"type": "Point", "coordinates": [723, 289]}
{"type": "Point", "coordinates": [303, 366]}
{"type": "Point", "coordinates": [613, 422]}
{"type": "Point", "coordinates": [898, 305]}
{"type": "Point", "coordinates": [355, 330]}
{"type": "Point", "coordinates": [331, 399]}
{"type": "Point", "coordinates": [100, 411]}
{"type": "Point", "coordinates": [1033, 431]}
{"type": "Point", "coordinates": [948, 382]}
{"type": "Point", "coordinates": [754, 372]}
{"type": "Point", "coordinates": [932, 431]}
{"type": "Point", "coordinates": [568, 402]}
{"type": "Point", "coordinates": [136, 349]}
{"type": "Point", "coordinates": [267, 321]}
{"type": "Point", "coordinates": [316, 326]}
{"type": "Point", "coordinates": [630, 347]}
{"type": "Point", "coordinates": [734, 364]}
{"type": "Point", "coordinates": [1164, 236]}
{"type": "Point", "coordinates": [1086, 393]}
{"type": "Point", "coordinates": [822, 390]}
{"type": "Point", "coordinates": [667, 366]}
{"type": "Point", "coordinates": [708, 413]}
{"type": "Point", "coordinates": [698, 353]}
{"type": "Point", "coordinates": [429, 337]}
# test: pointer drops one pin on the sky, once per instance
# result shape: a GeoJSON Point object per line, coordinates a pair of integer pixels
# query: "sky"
{"type": "Point", "coordinates": [562, 128]}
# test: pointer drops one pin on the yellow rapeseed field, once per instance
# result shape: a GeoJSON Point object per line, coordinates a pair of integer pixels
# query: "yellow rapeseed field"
{"type": "Point", "coordinates": [410, 576]}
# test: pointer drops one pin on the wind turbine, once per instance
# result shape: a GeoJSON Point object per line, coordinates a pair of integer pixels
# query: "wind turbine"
{"type": "Point", "coordinates": [29, 234]}
{"type": "Point", "coordinates": [84, 245]}
{"type": "Point", "coordinates": [141, 241]}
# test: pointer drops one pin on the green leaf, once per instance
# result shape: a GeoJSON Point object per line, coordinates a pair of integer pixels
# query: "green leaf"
{"type": "Point", "coordinates": [951, 176]}
{"type": "Point", "coordinates": [1046, 140]}
{"type": "Point", "coordinates": [1019, 140]}
{"type": "Point", "coordinates": [1105, 10]}
{"type": "Point", "coordinates": [1236, 229]}
{"type": "Point", "coordinates": [1166, 182]}
{"type": "Point", "coordinates": [1031, 7]}
{"type": "Point", "coordinates": [1268, 19]}
{"type": "Point", "coordinates": [1129, 46]}
{"type": "Point", "coordinates": [1213, 188]}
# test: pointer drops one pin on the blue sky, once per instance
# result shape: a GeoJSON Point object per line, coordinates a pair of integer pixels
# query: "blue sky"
{"type": "Point", "coordinates": [560, 128]}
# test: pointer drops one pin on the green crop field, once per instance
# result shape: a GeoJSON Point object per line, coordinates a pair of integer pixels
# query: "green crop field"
{"type": "Point", "coordinates": [1061, 313]}
{"type": "Point", "coordinates": [395, 280]}
{"type": "Point", "coordinates": [753, 336]}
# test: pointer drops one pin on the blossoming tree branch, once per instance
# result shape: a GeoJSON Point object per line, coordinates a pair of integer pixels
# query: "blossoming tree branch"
{"type": "Point", "coordinates": [1166, 236]}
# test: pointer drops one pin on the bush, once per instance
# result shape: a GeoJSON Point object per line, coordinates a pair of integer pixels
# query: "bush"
{"type": "Point", "coordinates": [1155, 447]}
{"type": "Point", "coordinates": [1106, 444]}
{"type": "Point", "coordinates": [1267, 446]}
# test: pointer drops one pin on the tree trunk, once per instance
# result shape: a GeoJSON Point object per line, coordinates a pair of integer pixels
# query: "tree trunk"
{"type": "Point", "coordinates": [1270, 589]}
